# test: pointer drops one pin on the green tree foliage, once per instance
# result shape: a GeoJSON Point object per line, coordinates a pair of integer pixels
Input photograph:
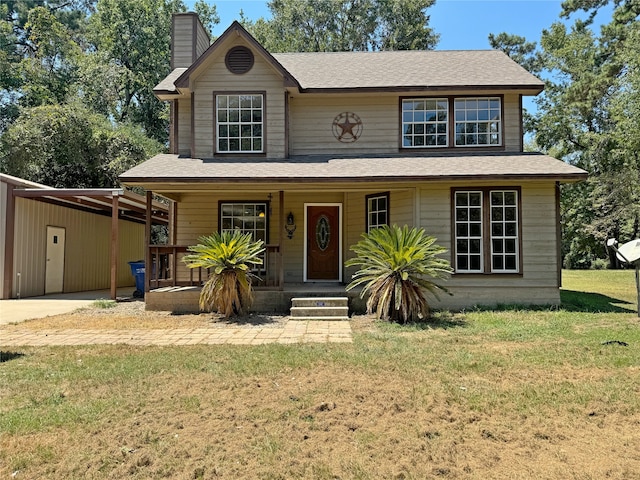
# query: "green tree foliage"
{"type": "Point", "coordinates": [398, 267]}
{"type": "Point", "coordinates": [94, 62]}
{"type": "Point", "coordinates": [69, 146]}
{"type": "Point", "coordinates": [588, 115]}
{"type": "Point", "coordinates": [351, 25]}
{"type": "Point", "coordinates": [230, 256]}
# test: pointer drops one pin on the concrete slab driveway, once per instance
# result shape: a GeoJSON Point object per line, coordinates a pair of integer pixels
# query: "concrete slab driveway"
{"type": "Point", "coordinates": [12, 311]}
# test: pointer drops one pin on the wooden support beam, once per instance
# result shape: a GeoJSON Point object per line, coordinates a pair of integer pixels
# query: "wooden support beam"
{"type": "Point", "coordinates": [115, 235]}
{"type": "Point", "coordinates": [147, 243]}
{"type": "Point", "coordinates": [281, 240]}
{"type": "Point", "coordinates": [7, 280]}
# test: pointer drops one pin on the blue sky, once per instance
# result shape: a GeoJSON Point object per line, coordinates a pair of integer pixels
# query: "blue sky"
{"type": "Point", "coordinates": [462, 24]}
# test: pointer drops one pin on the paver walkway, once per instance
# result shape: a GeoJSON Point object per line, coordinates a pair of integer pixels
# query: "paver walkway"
{"type": "Point", "coordinates": [291, 332]}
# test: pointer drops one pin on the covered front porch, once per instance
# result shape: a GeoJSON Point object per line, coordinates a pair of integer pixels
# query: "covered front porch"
{"type": "Point", "coordinates": [307, 231]}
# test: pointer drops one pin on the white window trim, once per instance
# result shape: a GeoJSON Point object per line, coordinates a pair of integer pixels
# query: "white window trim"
{"type": "Point", "coordinates": [239, 123]}
{"type": "Point", "coordinates": [489, 121]}
{"type": "Point", "coordinates": [425, 123]}
{"type": "Point", "coordinates": [376, 196]}
{"type": "Point", "coordinates": [486, 240]}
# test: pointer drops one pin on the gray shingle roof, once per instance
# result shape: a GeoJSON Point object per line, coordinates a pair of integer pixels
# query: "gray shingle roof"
{"type": "Point", "coordinates": [446, 68]}
{"type": "Point", "coordinates": [167, 84]}
{"type": "Point", "coordinates": [398, 69]}
{"type": "Point", "coordinates": [166, 167]}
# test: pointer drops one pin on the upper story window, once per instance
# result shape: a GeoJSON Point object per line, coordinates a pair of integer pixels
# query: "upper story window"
{"type": "Point", "coordinates": [424, 122]}
{"type": "Point", "coordinates": [377, 210]}
{"type": "Point", "coordinates": [446, 122]}
{"type": "Point", "coordinates": [239, 122]}
{"type": "Point", "coordinates": [477, 121]}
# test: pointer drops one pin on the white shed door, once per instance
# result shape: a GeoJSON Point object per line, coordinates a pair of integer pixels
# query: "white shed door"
{"type": "Point", "coordinates": [54, 270]}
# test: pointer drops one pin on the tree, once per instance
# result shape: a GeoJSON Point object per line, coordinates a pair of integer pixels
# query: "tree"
{"type": "Point", "coordinates": [69, 146]}
{"type": "Point", "coordinates": [352, 25]}
{"type": "Point", "coordinates": [588, 116]}
{"type": "Point", "coordinates": [397, 267]}
{"type": "Point", "coordinates": [94, 63]}
{"type": "Point", "coordinates": [230, 255]}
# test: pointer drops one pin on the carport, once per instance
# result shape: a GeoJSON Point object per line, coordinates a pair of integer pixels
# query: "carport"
{"type": "Point", "coordinates": [116, 203]}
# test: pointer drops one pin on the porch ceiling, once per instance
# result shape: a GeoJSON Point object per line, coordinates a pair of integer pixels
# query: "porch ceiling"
{"type": "Point", "coordinates": [131, 206]}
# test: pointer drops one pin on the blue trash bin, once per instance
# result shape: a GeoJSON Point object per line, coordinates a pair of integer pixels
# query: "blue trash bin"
{"type": "Point", "coordinates": [137, 270]}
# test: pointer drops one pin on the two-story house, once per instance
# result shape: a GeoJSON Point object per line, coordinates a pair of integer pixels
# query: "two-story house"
{"type": "Point", "coordinates": [309, 150]}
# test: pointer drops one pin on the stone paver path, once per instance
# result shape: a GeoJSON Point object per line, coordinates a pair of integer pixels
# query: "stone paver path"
{"type": "Point", "coordinates": [291, 332]}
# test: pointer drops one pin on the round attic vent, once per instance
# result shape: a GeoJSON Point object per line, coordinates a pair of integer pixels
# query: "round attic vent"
{"type": "Point", "coordinates": [239, 60]}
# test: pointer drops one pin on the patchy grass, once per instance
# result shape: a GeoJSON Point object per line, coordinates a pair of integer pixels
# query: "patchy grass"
{"type": "Point", "coordinates": [104, 303]}
{"type": "Point", "coordinates": [514, 393]}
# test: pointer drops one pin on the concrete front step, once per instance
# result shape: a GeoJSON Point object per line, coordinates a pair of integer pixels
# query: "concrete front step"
{"type": "Point", "coordinates": [320, 308]}
{"type": "Point", "coordinates": [320, 319]}
{"type": "Point", "coordinates": [320, 311]}
{"type": "Point", "coordinates": [320, 302]}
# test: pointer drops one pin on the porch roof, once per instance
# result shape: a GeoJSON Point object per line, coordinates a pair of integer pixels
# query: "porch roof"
{"type": "Point", "coordinates": [171, 168]}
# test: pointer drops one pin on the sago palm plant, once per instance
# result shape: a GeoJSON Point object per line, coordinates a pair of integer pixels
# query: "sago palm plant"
{"type": "Point", "coordinates": [230, 256]}
{"type": "Point", "coordinates": [397, 268]}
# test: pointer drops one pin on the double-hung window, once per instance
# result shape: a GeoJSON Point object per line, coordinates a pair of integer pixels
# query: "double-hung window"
{"type": "Point", "coordinates": [487, 231]}
{"type": "Point", "coordinates": [425, 122]}
{"type": "Point", "coordinates": [432, 122]}
{"type": "Point", "coordinates": [239, 123]}
{"type": "Point", "coordinates": [377, 210]}
{"type": "Point", "coordinates": [247, 217]}
{"type": "Point", "coordinates": [477, 122]}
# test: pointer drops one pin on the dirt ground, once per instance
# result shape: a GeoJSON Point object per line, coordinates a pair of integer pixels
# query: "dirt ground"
{"type": "Point", "coordinates": [334, 420]}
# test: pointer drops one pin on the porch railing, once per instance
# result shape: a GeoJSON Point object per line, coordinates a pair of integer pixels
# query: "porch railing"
{"type": "Point", "coordinates": [168, 270]}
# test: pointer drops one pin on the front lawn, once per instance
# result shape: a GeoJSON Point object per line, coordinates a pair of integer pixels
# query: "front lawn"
{"type": "Point", "coordinates": [499, 394]}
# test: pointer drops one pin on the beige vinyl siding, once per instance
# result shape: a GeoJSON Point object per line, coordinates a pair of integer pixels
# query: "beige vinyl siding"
{"type": "Point", "coordinates": [198, 215]}
{"type": "Point", "coordinates": [184, 126]}
{"type": "Point", "coordinates": [402, 207]}
{"type": "Point", "coordinates": [261, 78]}
{"type": "Point", "coordinates": [312, 119]}
{"type": "Point", "coordinates": [87, 248]}
{"type": "Point", "coordinates": [202, 39]}
{"type": "Point", "coordinates": [182, 54]}
{"type": "Point", "coordinates": [538, 282]}
{"type": "Point", "coordinates": [512, 119]}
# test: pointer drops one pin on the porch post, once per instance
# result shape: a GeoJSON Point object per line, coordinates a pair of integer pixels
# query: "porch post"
{"type": "Point", "coordinates": [148, 268]}
{"type": "Point", "coordinates": [281, 241]}
{"type": "Point", "coordinates": [114, 244]}
{"type": "Point", "coordinates": [7, 280]}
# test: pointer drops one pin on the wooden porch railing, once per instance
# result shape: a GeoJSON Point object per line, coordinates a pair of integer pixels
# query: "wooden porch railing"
{"type": "Point", "coordinates": [168, 270]}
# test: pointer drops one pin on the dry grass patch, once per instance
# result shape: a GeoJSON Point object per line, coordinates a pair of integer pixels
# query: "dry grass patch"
{"type": "Point", "coordinates": [485, 394]}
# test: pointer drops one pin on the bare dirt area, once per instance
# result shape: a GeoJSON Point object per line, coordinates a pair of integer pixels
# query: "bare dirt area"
{"type": "Point", "coordinates": [132, 315]}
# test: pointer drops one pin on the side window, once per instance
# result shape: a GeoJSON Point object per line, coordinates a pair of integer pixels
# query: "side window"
{"type": "Point", "coordinates": [377, 210]}
{"type": "Point", "coordinates": [486, 231]}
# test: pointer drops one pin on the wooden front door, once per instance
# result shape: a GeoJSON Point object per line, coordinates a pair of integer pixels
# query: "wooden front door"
{"type": "Point", "coordinates": [323, 242]}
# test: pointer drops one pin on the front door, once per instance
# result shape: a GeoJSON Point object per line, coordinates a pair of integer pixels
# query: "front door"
{"type": "Point", "coordinates": [323, 242]}
{"type": "Point", "coordinates": [54, 269]}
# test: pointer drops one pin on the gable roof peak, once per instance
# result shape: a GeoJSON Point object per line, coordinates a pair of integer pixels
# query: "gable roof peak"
{"type": "Point", "coordinates": [235, 28]}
